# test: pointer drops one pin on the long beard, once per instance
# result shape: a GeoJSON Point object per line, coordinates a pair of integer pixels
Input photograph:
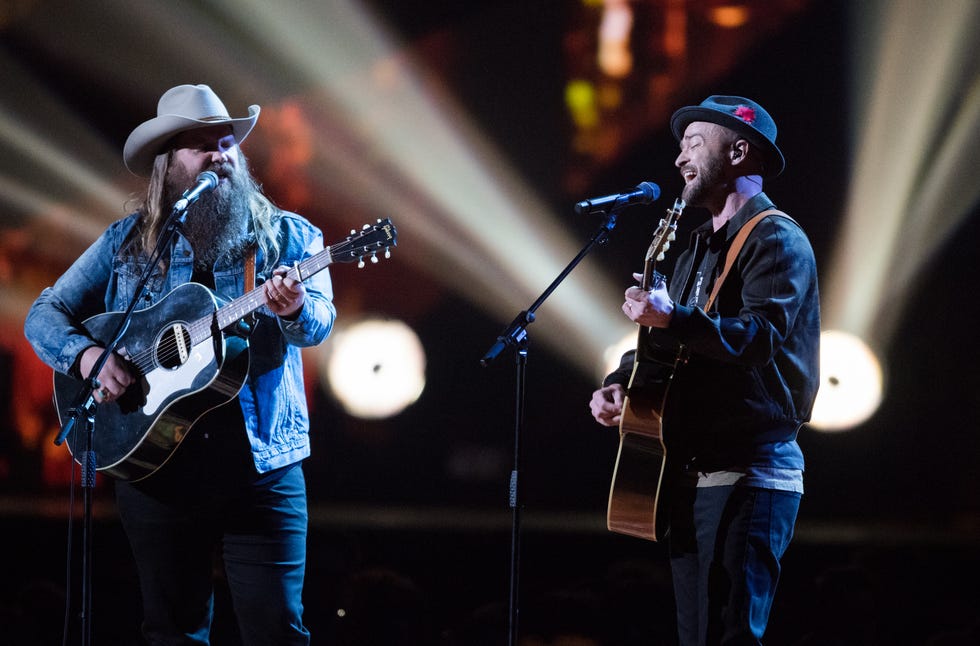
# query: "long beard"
{"type": "Point", "coordinates": [218, 222]}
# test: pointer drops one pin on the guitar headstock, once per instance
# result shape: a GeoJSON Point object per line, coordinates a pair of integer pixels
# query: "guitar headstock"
{"type": "Point", "coordinates": [371, 239]}
{"type": "Point", "coordinates": [662, 237]}
{"type": "Point", "coordinates": [665, 232]}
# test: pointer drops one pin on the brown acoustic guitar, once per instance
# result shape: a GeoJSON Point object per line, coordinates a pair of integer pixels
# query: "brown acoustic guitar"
{"type": "Point", "coordinates": [636, 505]}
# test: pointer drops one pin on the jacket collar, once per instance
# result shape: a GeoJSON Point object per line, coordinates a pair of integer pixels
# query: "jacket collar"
{"type": "Point", "coordinates": [756, 204]}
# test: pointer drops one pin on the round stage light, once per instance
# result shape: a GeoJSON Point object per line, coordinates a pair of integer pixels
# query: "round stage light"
{"type": "Point", "coordinates": [850, 383]}
{"type": "Point", "coordinates": [375, 368]}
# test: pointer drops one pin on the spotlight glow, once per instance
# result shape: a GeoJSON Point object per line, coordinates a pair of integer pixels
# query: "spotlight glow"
{"type": "Point", "coordinates": [612, 355]}
{"type": "Point", "coordinates": [375, 368]}
{"type": "Point", "coordinates": [850, 383]}
{"type": "Point", "coordinates": [915, 155]}
{"type": "Point", "coordinates": [615, 58]}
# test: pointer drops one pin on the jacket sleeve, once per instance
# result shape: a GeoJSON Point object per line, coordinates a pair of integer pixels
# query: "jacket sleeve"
{"type": "Point", "coordinates": [621, 375]}
{"type": "Point", "coordinates": [317, 317]}
{"type": "Point", "coordinates": [775, 270]}
{"type": "Point", "coordinates": [54, 322]}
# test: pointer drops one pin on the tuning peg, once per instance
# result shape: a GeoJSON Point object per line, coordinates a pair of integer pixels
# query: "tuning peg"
{"type": "Point", "coordinates": [660, 257]}
{"type": "Point", "coordinates": [671, 236]}
{"type": "Point", "coordinates": [353, 231]}
{"type": "Point", "coordinates": [387, 252]}
{"type": "Point", "coordinates": [374, 257]}
{"type": "Point", "coordinates": [365, 227]}
{"type": "Point", "coordinates": [360, 262]}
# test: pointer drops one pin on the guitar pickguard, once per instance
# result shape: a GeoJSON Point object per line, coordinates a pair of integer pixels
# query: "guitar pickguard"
{"type": "Point", "coordinates": [167, 382]}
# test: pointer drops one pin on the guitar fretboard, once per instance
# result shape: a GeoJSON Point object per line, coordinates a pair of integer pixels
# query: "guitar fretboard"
{"type": "Point", "coordinates": [369, 241]}
{"type": "Point", "coordinates": [239, 308]}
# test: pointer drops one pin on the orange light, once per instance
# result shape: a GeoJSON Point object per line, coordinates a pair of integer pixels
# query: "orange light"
{"type": "Point", "coordinates": [729, 16]}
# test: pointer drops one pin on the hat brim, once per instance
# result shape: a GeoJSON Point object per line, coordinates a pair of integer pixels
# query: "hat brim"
{"type": "Point", "coordinates": [149, 138]}
{"type": "Point", "coordinates": [773, 157]}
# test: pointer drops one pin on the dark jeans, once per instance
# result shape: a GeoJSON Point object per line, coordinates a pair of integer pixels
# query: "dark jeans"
{"type": "Point", "coordinates": [208, 501]}
{"type": "Point", "coordinates": [725, 547]}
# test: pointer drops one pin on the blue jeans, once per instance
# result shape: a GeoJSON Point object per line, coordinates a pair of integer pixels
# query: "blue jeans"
{"type": "Point", "coordinates": [207, 501]}
{"type": "Point", "coordinates": [725, 547]}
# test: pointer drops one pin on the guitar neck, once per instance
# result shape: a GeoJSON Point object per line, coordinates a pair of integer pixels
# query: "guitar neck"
{"type": "Point", "coordinates": [369, 241]}
{"type": "Point", "coordinates": [245, 304]}
{"type": "Point", "coordinates": [651, 277]}
{"type": "Point", "coordinates": [234, 311]}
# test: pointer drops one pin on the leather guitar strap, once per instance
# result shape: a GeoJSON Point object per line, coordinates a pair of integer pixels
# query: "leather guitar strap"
{"type": "Point", "coordinates": [248, 323]}
{"type": "Point", "coordinates": [250, 269]}
{"type": "Point", "coordinates": [735, 249]}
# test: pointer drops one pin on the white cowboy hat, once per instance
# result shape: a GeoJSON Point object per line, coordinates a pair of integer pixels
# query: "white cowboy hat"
{"type": "Point", "coordinates": [181, 108]}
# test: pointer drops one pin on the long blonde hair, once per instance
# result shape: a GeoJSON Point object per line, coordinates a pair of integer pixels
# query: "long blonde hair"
{"type": "Point", "coordinates": [154, 213]}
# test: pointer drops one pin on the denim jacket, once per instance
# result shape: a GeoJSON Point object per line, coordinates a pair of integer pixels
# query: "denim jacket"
{"type": "Point", "coordinates": [273, 399]}
{"type": "Point", "coordinates": [753, 361]}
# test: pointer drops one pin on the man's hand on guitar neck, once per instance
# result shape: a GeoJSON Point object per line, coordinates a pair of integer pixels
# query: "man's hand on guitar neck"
{"type": "Point", "coordinates": [652, 308]}
{"type": "Point", "coordinates": [607, 404]}
{"type": "Point", "coordinates": [114, 378]}
{"type": "Point", "coordinates": [284, 295]}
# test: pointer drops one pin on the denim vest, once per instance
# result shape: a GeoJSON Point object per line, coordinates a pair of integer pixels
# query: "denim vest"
{"type": "Point", "coordinates": [273, 399]}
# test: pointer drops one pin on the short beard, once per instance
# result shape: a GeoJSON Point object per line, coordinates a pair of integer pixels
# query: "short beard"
{"type": "Point", "coordinates": [218, 223]}
{"type": "Point", "coordinates": [707, 181]}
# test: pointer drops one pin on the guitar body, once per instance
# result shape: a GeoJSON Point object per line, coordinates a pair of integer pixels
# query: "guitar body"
{"type": "Point", "coordinates": [637, 493]}
{"type": "Point", "coordinates": [137, 433]}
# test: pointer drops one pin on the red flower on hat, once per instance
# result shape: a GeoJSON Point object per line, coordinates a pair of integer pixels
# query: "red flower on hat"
{"type": "Point", "coordinates": [745, 113]}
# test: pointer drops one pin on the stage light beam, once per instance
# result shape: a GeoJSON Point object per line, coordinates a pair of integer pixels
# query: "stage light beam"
{"type": "Point", "coordinates": [917, 148]}
{"type": "Point", "coordinates": [476, 225]}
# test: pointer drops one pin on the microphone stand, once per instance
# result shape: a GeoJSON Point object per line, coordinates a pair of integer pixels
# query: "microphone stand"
{"type": "Point", "coordinates": [82, 415]}
{"type": "Point", "coordinates": [515, 336]}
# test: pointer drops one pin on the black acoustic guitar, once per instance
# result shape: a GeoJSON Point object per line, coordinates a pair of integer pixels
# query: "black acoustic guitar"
{"type": "Point", "coordinates": [188, 360]}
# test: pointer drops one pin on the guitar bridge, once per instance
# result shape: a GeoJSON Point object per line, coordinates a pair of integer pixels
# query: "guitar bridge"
{"type": "Point", "coordinates": [182, 350]}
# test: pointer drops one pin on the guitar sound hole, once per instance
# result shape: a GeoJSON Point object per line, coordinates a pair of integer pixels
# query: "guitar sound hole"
{"type": "Point", "coordinates": [174, 347]}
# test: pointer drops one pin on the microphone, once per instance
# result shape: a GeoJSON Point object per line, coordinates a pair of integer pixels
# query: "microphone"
{"type": "Point", "coordinates": [206, 181]}
{"type": "Point", "coordinates": [645, 193]}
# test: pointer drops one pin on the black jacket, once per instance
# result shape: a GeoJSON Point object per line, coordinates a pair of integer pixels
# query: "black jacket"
{"type": "Point", "coordinates": [753, 361]}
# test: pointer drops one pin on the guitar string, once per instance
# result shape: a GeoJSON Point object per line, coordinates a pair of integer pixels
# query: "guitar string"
{"type": "Point", "coordinates": [169, 348]}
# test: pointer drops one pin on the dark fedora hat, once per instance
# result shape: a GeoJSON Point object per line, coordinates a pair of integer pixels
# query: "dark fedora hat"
{"type": "Point", "coordinates": [744, 116]}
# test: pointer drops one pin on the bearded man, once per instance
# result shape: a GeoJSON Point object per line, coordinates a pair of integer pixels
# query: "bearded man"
{"type": "Point", "coordinates": [233, 486]}
{"type": "Point", "coordinates": [743, 306]}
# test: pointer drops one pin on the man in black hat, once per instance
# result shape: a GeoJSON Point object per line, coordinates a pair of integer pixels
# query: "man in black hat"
{"type": "Point", "coordinates": [232, 484]}
{"type": "Point", "coordinates": [750, 342]}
